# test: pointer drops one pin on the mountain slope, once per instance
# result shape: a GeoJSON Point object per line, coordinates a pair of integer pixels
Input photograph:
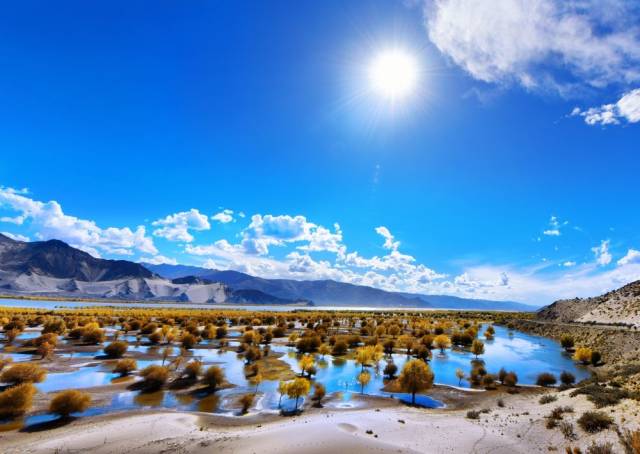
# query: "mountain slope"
{"type": "Point", "coordinates": [332, 293]}
{"type": "Point", "coordinates": [621, 306]}
{"type": "Point", "coordinates": [53, 268]}
{"type": "Point", "coordinates": [57, 259]}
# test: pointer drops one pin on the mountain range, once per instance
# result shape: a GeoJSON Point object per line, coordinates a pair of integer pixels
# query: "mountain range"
{"type": "Point", "coordinates": [54, 268]}
{"type": "Point", "coordinates": [332, 293]}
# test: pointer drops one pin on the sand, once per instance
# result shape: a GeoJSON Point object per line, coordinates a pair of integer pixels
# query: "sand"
{"type": "Point", "coordinates": [518, 427]}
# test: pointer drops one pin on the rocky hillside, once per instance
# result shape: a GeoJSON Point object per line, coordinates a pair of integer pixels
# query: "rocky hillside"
{"type": "Point", "coordinates": [55, 269]}
{"type": "Point", "coordinates": [619, 307]}
{"type": "Point", "coordinates": [57, 259]}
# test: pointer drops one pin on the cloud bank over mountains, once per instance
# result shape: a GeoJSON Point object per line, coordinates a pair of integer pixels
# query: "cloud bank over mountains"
{"type": "Point", "coordinates": [286, 246]}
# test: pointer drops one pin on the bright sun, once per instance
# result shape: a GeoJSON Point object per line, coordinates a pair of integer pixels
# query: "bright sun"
{"type": "Point", "coordinates": [394, 74]}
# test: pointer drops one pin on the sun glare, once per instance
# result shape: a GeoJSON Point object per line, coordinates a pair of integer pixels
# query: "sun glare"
{"type": "Point", "coordinates": [394, 74]}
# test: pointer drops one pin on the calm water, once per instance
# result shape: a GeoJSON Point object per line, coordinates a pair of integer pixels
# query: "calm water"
{"type": "Point", "coordinates": [525, 354]}
{"type": "Point", "coordinates": [52, 305]}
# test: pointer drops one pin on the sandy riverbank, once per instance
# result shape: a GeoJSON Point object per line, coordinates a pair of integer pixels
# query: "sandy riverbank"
{"type": "Point", "coordinates": [517, 427]}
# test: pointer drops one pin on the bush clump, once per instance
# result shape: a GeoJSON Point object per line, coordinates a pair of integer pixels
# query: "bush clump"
{"type": "Point", "coordinates": [116, 349]}
{"type": "Point", "coordinates": [594, 421]}
{"type": "Point", "coordinates": [70, 401]}
{"type": "Point", "coordinates": [125, 366]}
{"type": "Point", "coordinates": [154, 377]}
{"type": "Point", "coordinates": [23, 373]}
{"type": "Point", "coordinates": [213, 377]}
{"type": "Point", "coordinates": [473, 414]}
{"type": "Point", "coordinates": [16, 401]}
{"type": "Point", "coordinates": [546, 379]}
{"type": "Point", "coordinates": [547, 399]}
{"type": "Point", "coordinates": [602, 396]}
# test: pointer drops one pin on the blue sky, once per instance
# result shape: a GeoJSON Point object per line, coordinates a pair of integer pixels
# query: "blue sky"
{"type": "Point", "coordinates": [128, 126]}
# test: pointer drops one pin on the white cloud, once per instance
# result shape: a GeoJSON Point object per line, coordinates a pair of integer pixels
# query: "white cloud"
{"type": "Point", "coordinates": [632, 257]}
{"type": "Point", "coordinates": [210, 264]}
{"type": "Point", "coordinates": [175, 227]}
{"type": "Point", "coordinates": [627, 108]}
{"type": "Point", "coordinates": [568, 264]}
{"type": "Point", "coordinates": [556, 45]}
{"type": "Point", "coordinates": [49, 221]}
{"type": "Point", "coordinates": [268, 230]}
{"type": "Point", "coordinates": [224, 216]}
{"type": "Point", "coordinates": [603, 256]}
{"type": "Point", "coordinates": [17, 220]}
{"type": "Point", "coordinates": [159, 260]}
{"type": "Point", "coordinates": [16, 236]}
{"type": "Point", "coordinates": [389, 242]}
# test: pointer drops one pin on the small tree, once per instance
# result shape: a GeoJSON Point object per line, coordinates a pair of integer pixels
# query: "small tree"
{"type": "Point", "coordinates": [416, 376]}
{"type": "Point", "coordinates": [583, 354]}
{"type": "Point", "coordinates": [510, 379]}
{"type": "Point", "coordinates": [45, 350]}
{"type": "Point", "coordinates": [477, 347]}
{"type": "Point", "coordinates": [69, 401]}
{"type": "Point", "coordinates": [188, 341]}
{"type": "Point", "coordinates": [23, 373]}
{"type": "Point", "coordinates": [567, 378]}
{"type": "Point", "coordinates": [442, 341]}
{"type": "Point", "coordinates": [256, 380]}
{"type": "Point", "coordinates": [116, 349]}
{"type": "Point", "coordinates": [324, 349]}
{"type": "Point", "coordinates": [567, 342]}
{"type": "Point", "coordinates": [92, 335]}
{"type": "Point", "coordinates": [154, 377]}
{"type": "Point", "coordinates": [546, 379]}
{"type": "Point", "coordinates": [390, 369]}
{"type": "Point", "coordinates": [298, 388]}
{"type": "Point", "coordinates": [16, 401]}
{"type": "Point", "coordinates": [319, 391]}
{"type": "Point", "coordinates": [192, 369]}
{"type": "Point", "coordinates": [306, 363]}
{"type": "Point", "coordinates": [282, 390]}
{"type": "Point", "coordinates": [246, 401]}
{"type": "Point", "coordinates": [213, 377]}
{"type": "Point", "coordinates": [459, 376]}
{"type": "Point", "coordinates": [364, 378]}
{"type": "Point", "coordinates": [125, 366]}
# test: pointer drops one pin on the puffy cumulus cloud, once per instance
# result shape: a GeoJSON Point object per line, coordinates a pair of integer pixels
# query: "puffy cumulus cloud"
{"type": "Point", "coordinates": [159, 260]}
{"type": "Point", "coordinates": [563, 46]}
{"type": "Point", "coordinates": [602, 254]}
{"type": "Point", "coordinates": [626, 109]}
{"type": "Point", "coordinates": [224, 217]}
{"type": "Point", "coordinates": [49, 221]}
{"type": "Point", "coordinates": [632, 257]}
{"type": "Point", "coordinates": [175, 227]}
{"type": "Point", "coordinates": [268, 230]}
{"type": "Point", "coordinates": [16, 236]}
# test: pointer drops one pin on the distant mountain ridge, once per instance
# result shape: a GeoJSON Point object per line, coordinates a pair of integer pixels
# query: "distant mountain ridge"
{"type": "Point", "coordinates": [53, 268]}
{"type": "Point", "coordinates": [57, 259]}
{"type": "Point", "coordinates": [621, 306]}
{"type": "Point", "coordinates": [332, 293]}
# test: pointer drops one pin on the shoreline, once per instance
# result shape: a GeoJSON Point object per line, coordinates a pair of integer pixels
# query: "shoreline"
{"type": "Point", "coordinates": [518, 426]}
